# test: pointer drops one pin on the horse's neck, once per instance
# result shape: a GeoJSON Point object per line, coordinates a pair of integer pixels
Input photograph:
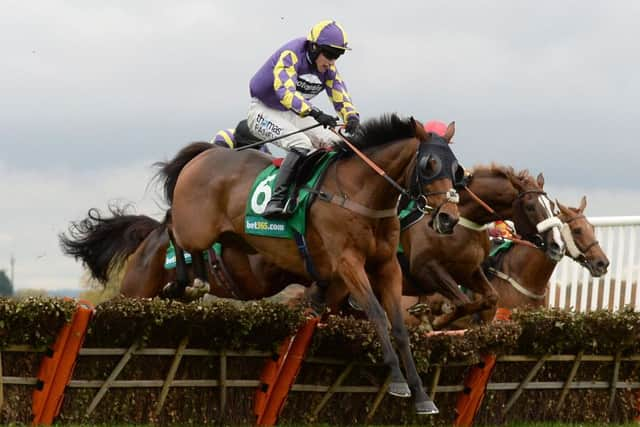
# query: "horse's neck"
{"type": "Point", "coordinates": [366, 186]}
{"type": "Point", "coordinates": [495, 198]}
{"type": "Point", "coordinates": [531, 267]}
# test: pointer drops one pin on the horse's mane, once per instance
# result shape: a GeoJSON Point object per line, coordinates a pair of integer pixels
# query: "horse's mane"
{"type": "Point", "coordinates": [380, 131]}
{"type": "Point", "coordinates": [495, 169]}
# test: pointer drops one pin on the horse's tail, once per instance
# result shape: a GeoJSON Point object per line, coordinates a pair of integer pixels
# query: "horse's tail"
{"type": "Point", "coordinates": [169, 171]}
{"type": "Point", "coordinates": [103, 244]}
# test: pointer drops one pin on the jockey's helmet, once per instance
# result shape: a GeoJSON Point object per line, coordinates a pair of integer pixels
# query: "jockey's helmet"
{"type": "Point", "coordinates": [330, 38]}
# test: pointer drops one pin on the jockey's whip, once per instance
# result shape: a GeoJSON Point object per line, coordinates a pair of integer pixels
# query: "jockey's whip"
{"type": "Point", "coordinates": [259, 143]}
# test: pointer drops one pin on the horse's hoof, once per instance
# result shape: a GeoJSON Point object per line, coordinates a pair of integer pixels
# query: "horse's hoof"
{"type": "Point", "coordinates": [201, 285]}
{"type": "Point", "coordinates": [399, 389]}
{"type": "Point", "coordinates": [353, 304]}
{"type": "Point", "coordinates": [426, 407]}
{"type": "Point", "coordinates": [192, 293]}
{"type": "Point", "coordinates": [171, 290]}
{"type": "Point", "coordinates": [316, 300]}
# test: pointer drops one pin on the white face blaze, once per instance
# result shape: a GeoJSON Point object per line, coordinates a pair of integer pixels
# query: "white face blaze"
{"type": "Point", "coordinates": [552, 222]}
{"type": "Point", "coordinates": [570, 242]}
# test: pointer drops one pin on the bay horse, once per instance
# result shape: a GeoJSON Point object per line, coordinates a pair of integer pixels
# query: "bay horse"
{"type": "Point", "coordinates": [434, 263]}
{"type": "Point", "coordinates": [137, 244]}
{"type": "Point", "coordinates": [354, 250]}
{"type": "Point", "coordinates": [521, 275]}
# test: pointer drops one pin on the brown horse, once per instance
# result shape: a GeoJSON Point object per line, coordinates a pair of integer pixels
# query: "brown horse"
{"type": "Point", "coordinates": [439, 263]}
{"type": "Point", "coordinates": [138, 244]}
{"type": "Point", "coordinates": [352, 246]}
{"type": "Point", "coordinates": [521, 275]}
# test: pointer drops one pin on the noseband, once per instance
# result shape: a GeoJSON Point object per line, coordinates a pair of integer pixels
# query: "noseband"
{"type": "Point", "coordinates": [575, 251]}
{"type": "Point", "coordinates": [542, 226]}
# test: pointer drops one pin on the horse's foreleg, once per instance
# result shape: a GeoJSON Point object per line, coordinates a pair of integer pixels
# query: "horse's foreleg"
{"type": "Point", "coordinates": [352, 273]}
{"type": "Point", "coordinates": [446, 285]}
{"type": "Point", "coordinates": [389, 280]}
{"type": "Point", "coordinates": [201, 277]}
{"type": "Point", "coordinates": [489, 298]}
{"type": "Point", "coordinates": [176, 289]}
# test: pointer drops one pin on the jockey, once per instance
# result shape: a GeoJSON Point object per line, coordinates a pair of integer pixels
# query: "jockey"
{"type": "Point", "coordinates": [227, 138]}
{"type": "Point", "coordinates": [224, 138]}
{"type": "Point", "coordinates": [502, 230]}
{"type": "Point", "coordinates": [280, 94]}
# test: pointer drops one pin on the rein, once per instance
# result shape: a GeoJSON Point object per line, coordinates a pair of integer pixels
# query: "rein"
{"type": "Point", "coordinates": [372, 164]}
{"type": "Point", "coordinates": [451, 195]}
{"type": "Point", "coordinates": [481, 202]}
{"type": "Point", "coordinates": [540, 227]}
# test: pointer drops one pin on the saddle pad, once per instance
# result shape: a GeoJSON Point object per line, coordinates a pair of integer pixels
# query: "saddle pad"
{"type": "Point", "coordinates": [170, 259]}
{"type": "Point", "coordinates": [499, 245]}
{"type": "Point", "coordinates": [256, 224]}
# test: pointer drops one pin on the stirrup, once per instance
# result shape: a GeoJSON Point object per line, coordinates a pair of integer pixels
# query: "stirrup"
{"type": "Point", "coordinates": [288, 208]}
{"type": "Point", "coordinates": [281, 213]}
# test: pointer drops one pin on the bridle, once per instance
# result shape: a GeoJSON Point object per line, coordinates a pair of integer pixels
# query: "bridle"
{"type": "Point", "coordinates": [534, 240]}
{"type": "Point", "coordinates": [415, 194]}
{"type": "Point", "coordinates": [421, 199]}
{"type": "Point", "coordinates": [419, 181]}
{"type": "Point", "coordinates": [542, 226]}
{"type": "Point", "coordinates": [575, 251]}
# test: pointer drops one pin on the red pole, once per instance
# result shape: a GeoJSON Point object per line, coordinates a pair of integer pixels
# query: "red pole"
{"type": "Point", "coordinates": [475, 385]}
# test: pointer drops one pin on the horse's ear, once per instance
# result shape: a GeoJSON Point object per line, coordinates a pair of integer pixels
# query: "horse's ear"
{"type": "Point", "coordinates": [420, 133]}
{"type": "Point", "coordinates": [451, 130]}
{"type": "Point", "coordinates": [583, 204]}
{"type": "Point", "coordinates": [540, 180]}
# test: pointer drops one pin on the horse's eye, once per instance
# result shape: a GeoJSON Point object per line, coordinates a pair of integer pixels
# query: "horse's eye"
{"type": "Point", "coordinates": [430, 166]}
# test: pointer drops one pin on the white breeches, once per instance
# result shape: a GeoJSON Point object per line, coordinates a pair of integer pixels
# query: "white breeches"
{"type": "Point", "coordinates": [266, 123]}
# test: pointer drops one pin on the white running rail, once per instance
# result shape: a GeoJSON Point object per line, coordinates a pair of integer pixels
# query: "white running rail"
{"type": "Point", "coordinates": [619, 237]}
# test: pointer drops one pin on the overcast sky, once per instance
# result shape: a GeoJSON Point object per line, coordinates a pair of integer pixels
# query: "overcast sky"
{"type": "Point", "coordinates": [92, 93]}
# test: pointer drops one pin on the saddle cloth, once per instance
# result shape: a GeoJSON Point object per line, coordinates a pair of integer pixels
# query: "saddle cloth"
{"type": "Point", "coordinates": [261, 192]}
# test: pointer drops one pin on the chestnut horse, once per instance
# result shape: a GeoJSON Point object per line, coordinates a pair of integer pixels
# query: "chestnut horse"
{"type": "Point", "coordinates": [439, 263]}
{"type": "Point", "coordinates": [353, 245]}
{"type": "Point", "coordinates": [522, 274]}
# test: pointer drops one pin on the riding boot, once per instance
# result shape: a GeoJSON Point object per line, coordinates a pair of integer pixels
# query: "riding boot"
{"type": "Point", "coordinates": [276, 207]}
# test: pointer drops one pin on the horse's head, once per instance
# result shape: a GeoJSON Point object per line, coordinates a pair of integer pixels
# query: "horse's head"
{"type": "Point", "coordinates": [533, 215]}
{"type": "Point", "coordinates": [580, 238]}
{"type": "Point", "coordinates": [495, 191]}
{"type": "Point", "coordinates": [435, 176]}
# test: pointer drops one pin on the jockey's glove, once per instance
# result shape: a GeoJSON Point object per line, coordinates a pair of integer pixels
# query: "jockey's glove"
{"type": "Point", "coordinates": [353, 122]}
{"type": "Point", "coordinates": [324, 119]}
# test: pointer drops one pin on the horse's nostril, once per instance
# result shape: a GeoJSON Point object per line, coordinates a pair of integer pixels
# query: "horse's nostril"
{"type": "Point", "coordinates": [602, 264]}
{"type": "Point", "coordinates": [554, 247]}
{"type": "Point", "coordinates": [444, 219]}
